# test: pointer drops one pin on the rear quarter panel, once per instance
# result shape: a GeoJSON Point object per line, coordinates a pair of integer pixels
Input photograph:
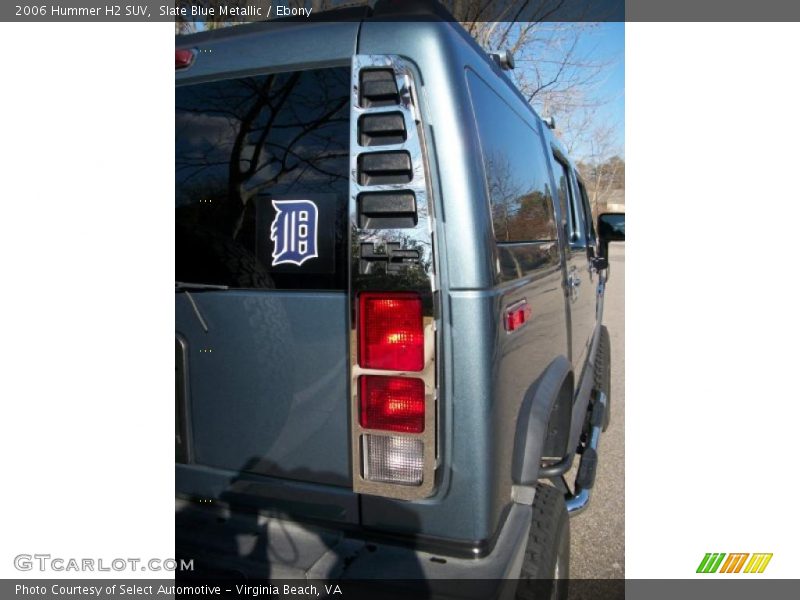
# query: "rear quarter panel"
{"type": "Point", "coordinates": [485, 371]}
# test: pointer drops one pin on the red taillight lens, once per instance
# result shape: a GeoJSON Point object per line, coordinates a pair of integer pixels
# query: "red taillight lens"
{"type": "Point", "coordinates": [517, 316]}
{"type": "Point", "coordinates": [392, 403]}
{"type": "Point", "coordinates": [390, 332]}
{"type": "Point", "coordinates": [183, 58]}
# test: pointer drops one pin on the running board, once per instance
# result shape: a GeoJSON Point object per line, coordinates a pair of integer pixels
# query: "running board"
{"type": "Point", "coordinates": [588, 465]}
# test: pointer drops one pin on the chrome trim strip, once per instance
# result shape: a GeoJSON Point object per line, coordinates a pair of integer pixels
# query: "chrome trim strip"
{"type": "Point", "coordinates": [373, 273]}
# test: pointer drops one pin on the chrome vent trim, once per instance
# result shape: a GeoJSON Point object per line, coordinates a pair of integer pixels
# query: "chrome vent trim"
{"type": "Point", "coordinates": [399, 259]}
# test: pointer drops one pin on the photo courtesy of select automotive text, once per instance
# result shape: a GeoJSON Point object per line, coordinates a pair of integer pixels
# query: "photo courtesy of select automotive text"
{"type": "Point", "coordinates": [399, 300]}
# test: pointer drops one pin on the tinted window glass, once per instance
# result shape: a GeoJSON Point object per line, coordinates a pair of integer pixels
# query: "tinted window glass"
{"type": "Point", "coordinates": [571, 204]}
{"type": "Point", "coordinates": [563, 190]}
{"type": "Point", "coordinates": [516, 171]}
{"type": "Point", "coordinates": [577, 208]}
{"type": "Point", "coordinates": [248, 149]}
{"type": "Point", "coordinates": [590, 230]}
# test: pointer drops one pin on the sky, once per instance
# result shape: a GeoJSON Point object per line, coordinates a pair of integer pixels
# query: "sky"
{"type": "Point", "coordinates": [607, 41]}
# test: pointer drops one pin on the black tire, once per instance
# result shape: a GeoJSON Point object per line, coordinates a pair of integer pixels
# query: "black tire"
{"type": "Point", "coordinates": [602, 372]}
{"type": "Point", "coordinates": [545, 568]}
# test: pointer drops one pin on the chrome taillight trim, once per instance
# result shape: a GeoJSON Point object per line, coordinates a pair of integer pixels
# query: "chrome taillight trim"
{"type": "Point", "coordinates": [373, 274]}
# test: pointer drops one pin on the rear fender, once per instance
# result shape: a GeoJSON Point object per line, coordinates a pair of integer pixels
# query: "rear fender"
{"type": "Point", "coordinates": [533, 423]}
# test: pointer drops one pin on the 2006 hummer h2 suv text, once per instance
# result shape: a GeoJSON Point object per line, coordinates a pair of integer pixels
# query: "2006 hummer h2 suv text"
{"type": "Point", "coordinates": [389, 295]}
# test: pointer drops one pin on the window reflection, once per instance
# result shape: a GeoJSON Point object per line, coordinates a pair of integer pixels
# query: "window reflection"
{"type": "Point", "coordinates": [240, 142]}
{"type": "Point", "coordinates": [516, 169]}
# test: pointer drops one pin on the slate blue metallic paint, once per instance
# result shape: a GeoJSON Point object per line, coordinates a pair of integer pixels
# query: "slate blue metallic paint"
{"type": "Point", "coordinates": [484, 371]}
{"type": "Point", "coordinates": [238, 52]}
{"type": "Point", "coordinates": [268, 384]}
{"type": "Point", "coordinates": [264, 47]}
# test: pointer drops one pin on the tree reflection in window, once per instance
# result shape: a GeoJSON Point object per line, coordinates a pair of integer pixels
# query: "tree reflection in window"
{"type": "Point", "coordinates": [516, 170]}
{"type": "Point", "coordinates": [237, 140]}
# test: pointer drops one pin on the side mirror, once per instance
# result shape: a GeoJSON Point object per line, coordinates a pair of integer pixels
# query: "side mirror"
{"type": "Point", "coordinates": [610, 228]}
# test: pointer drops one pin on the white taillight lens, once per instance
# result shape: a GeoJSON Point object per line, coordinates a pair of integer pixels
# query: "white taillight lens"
{"type": "Point", "coordinates": [393, 459]}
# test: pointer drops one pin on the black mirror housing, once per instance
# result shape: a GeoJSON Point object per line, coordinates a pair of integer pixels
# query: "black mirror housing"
{"type": "Point", "coordinates": [611, 227]}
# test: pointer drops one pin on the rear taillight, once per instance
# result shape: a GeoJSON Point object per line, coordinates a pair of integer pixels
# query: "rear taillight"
{"type": "Point", "coordinates": [392, 403]}
{"type": "Point", "coordinates": [393, 351]}
{"type": "Point", "coordinates": [390, 331]}
{"type": "Point", "coordinates": [183, 58]}
{"type": "Point", "coordinates": [393, 459]}
{"type": "Point", "coordinates": [391, 338]}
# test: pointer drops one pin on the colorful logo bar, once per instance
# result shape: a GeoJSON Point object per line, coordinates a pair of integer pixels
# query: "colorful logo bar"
{"type": "Point", "coordinates": [713, 562]}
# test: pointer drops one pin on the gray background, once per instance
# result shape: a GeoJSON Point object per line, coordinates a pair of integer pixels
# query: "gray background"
{"type": "Point", "coordinates": [635, 10]}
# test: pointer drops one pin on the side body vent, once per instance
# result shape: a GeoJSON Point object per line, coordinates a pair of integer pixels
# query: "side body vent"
{"type": "Point", "coordinates": [378, 87]}
{"type": "Point", "coordinates": [379, 168]}
{"type": "Point", "coordinates": [394, 407]}
{"type": "Point", "coordinates": [387, 210]}
{"type": "Point", "coordinates": [382, 129]}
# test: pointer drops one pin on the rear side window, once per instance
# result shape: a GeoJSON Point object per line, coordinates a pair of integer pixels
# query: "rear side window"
{"type": "Point", "coordinates": [516, 169]}
{"type": "Point", "coordinates": [261, 181]}
{"type": "Point", "coordinates": [571, 205]}
{"type": "Point", "coordinates": [587, 209]}
{"type": "Point", "coordinates": [563, 189]}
